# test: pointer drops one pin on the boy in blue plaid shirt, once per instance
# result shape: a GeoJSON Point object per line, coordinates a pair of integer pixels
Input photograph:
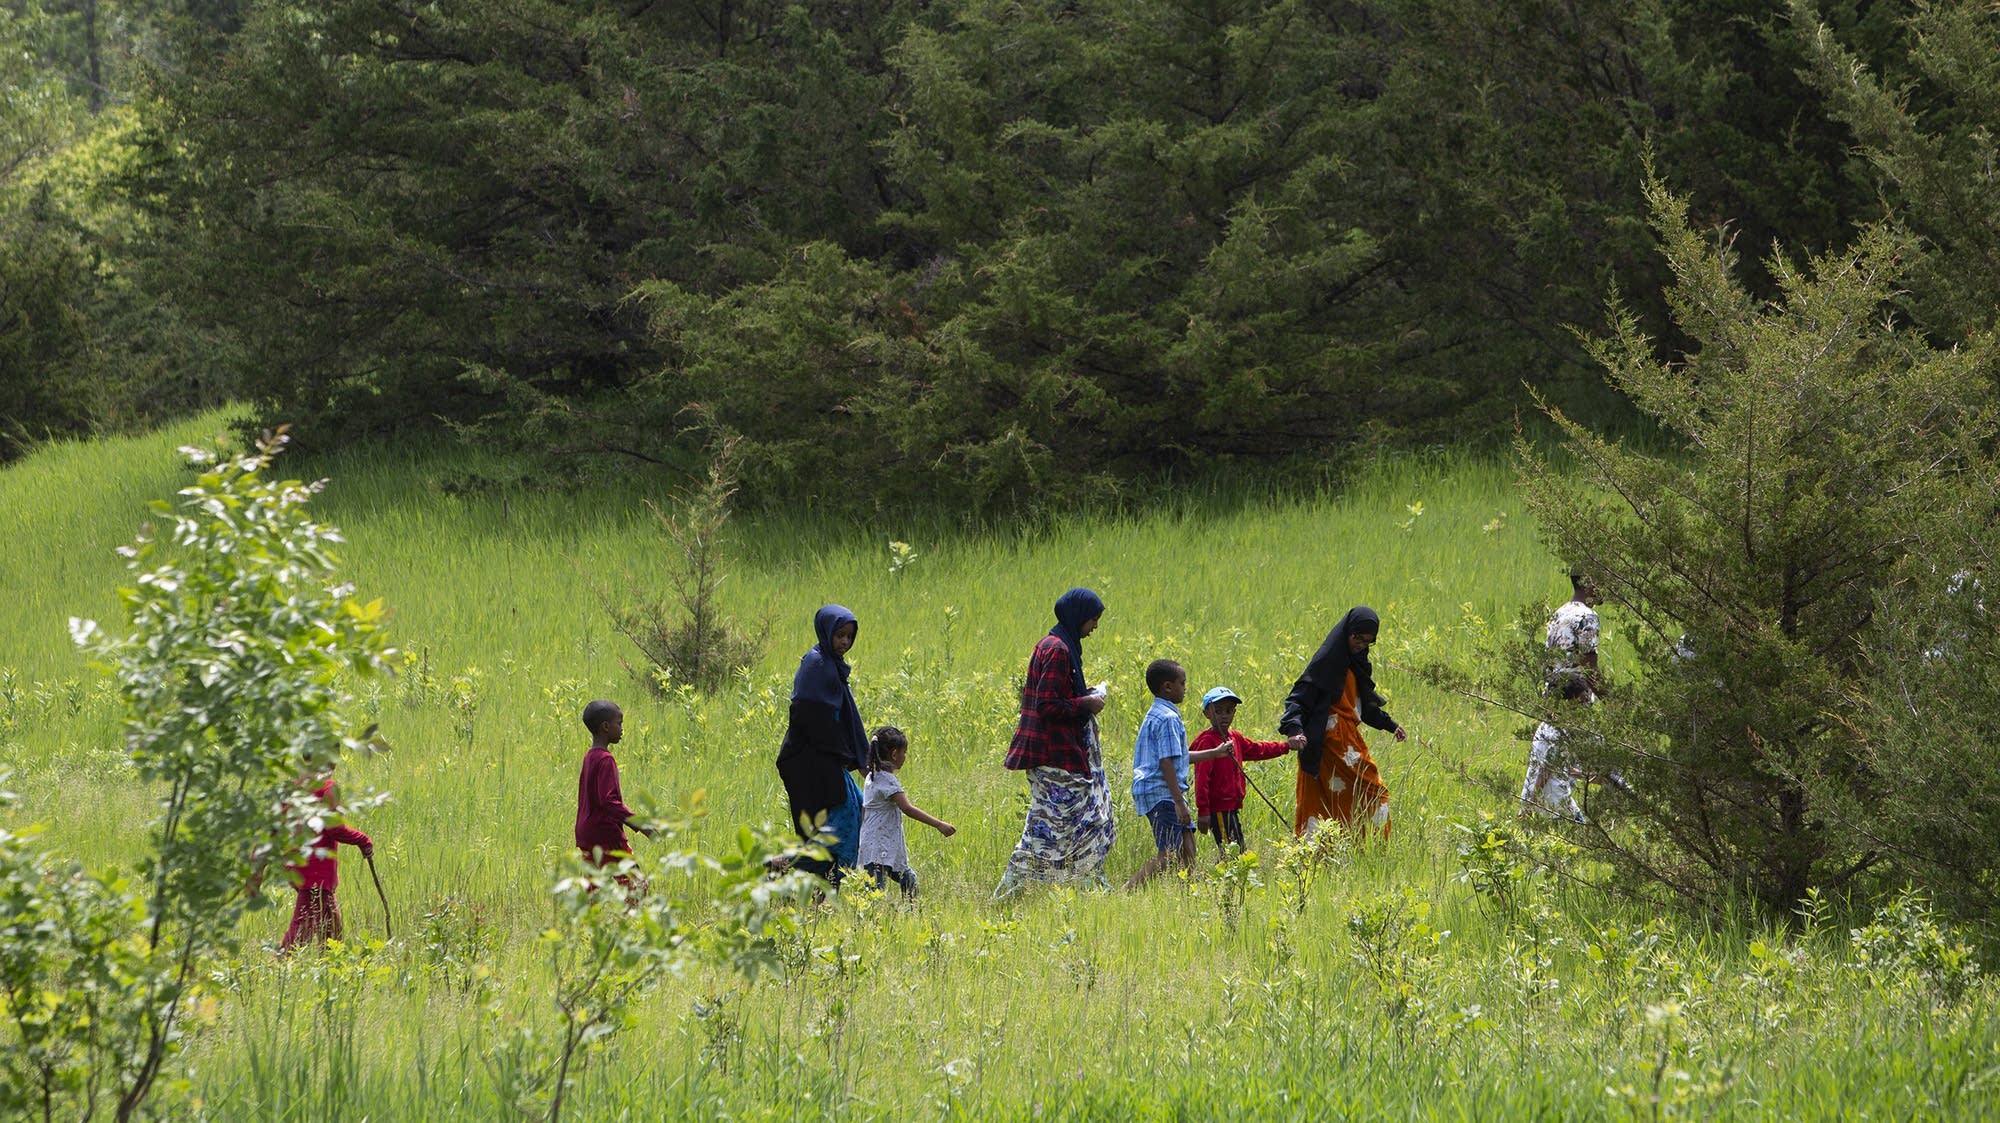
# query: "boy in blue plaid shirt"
{"type": "Point", "coordinates": [1162, 770]}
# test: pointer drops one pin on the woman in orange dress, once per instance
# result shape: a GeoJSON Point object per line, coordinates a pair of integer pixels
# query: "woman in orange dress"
{"type": "Point", "coordinates": [1338, 780]}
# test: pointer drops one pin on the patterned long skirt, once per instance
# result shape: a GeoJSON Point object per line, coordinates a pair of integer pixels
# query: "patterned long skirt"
{"type": "Point", "coordinates": [1348, 790]}
{"type": "Point", "coordinates": [1069, 831]}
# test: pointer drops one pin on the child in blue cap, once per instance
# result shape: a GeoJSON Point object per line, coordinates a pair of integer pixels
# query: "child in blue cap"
{"type": "Point", "coordinates": [1219, 780]}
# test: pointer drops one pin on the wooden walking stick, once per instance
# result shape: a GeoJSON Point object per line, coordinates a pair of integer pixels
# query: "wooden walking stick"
{"type": "Point", "coordinates": [388, 928]}
{"type": "Point", "coordinates": [1267, 800]}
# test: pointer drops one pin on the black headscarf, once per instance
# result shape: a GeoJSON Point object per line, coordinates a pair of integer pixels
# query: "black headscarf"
{"type": "Point", "coordinates": [1311, 701]}
{"type": "Point", "coordinates": [1329, 665]}
{"type": "Point", "coordinates": [1074, 609]}
{"type": "Point", "coordinates": [822, 677]}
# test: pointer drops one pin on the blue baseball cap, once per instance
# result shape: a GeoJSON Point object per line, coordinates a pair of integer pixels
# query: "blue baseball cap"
{"type": "Point", "coordinates": [1216, 694]}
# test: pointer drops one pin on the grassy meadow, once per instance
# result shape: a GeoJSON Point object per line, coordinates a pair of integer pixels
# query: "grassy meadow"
{"type": "Point", "coordinates": [1355, 982]}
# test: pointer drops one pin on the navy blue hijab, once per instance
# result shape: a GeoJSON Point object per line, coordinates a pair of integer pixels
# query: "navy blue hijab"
{"type": "Point", "coordinates": [822, 678]}
{"type": "Point", "coordinates": [1074, 609]}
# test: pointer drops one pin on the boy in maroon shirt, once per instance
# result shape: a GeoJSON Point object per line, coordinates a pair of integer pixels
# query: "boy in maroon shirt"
{"type": "Point", "coordinates": [1218, 783]}
{"type": "Point", "coordinates": [601, 814]}
{"type": "Point", "coordinates": [315, 913]}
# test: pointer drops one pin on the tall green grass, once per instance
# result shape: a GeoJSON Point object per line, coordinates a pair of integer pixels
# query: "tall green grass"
{"type": "Point", "coordinates": [1167, 1003]}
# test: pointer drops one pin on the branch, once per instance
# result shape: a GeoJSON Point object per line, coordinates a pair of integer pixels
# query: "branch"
{"type": "Point", "coordinates": [571, 450]}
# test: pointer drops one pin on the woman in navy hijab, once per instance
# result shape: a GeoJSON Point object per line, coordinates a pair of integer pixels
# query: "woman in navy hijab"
{"type": "Point", "coordinates": [1069, 830]}
{"type": "Point", "coordinates": [825, 740]}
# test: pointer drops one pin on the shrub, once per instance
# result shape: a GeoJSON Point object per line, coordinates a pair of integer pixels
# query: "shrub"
{"type": "Point", "coordinates": [1906, 945]}
{"type": "Point", "coordinates": [688, 636]}
{"type": "Point", "coordinates": [241, 642]}
{"type": "Point", "coordinates": [68, 950]}
{"type": "Point", "coordinates": [1818, 443]}
{"type": "Point", "coordinates": [617, 930]}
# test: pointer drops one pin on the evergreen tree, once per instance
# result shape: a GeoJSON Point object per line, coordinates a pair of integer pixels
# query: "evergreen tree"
{"type": "Point", "coordinates": [376, 201]}
{"type": "Point", "coordinates": [1928, 131]}
{"type": "Point", "coordinates": [1820, 440]}
{"type": "Point", "coordinates": [999, 252]}
{"type": "Point", "coordinates": [1927, 727]}
{"type": "Point", "coordinates": [44, 339]}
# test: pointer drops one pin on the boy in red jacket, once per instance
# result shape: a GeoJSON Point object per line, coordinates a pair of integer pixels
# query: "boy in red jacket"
{"type": "Point", "coordinates": [316, 914]}
{"type": "Point", "coordinates": [1219, 782]}
{"type": "Point", "coordinates": [601, 814]}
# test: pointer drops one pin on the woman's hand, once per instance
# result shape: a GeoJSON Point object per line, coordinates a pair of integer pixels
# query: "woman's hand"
{"type": "Point", "coordinates": [1296, 742]}
{"type": "Point", "coordinates": [1402, 734]}
{"type": "Point", "coordinates": [1092, 704]}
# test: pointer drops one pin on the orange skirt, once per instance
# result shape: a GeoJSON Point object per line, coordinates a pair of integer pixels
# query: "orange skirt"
{"type": "Point", "coordinates": [1348, 789]}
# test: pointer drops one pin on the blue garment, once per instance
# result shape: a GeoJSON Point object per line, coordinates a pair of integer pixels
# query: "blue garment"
{"type": "Point", "coordinates": [844, 823]}
{"type": "Point", "coordinates": [1074, 609]}
{"type": "Point", "coordinates": [822, 678]}
{"type": "Point", "coordinates": [1162, 737]}
{"type": "Point", "coordinates": [1167, 829]}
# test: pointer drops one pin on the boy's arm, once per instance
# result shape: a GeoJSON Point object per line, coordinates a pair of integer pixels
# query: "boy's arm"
{"type": "Point", "coordinates": [631, 819]}
{"type": "Point", "coordinates": [612, 799]}
{"type": "Point", "coordinates": [1170, 772]}
{"type": "Point", "coordinates": [1200, 749]}
{"type": "Point", "coordinates": [1204, 777]}
{"type": "Point", "coordinates": [902, 802]}
{"type": "Point", "coordinates": [1261, 750]}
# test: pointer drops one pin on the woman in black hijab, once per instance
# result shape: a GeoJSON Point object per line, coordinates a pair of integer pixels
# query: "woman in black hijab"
{"type": "Point", "coordinates": [1323, 716]}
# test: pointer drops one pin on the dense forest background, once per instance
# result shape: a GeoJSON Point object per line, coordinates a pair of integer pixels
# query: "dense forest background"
{"type": "Point", "coordinates": [991, 252]}
{"type": "Point", "coordinates": [871, 263]}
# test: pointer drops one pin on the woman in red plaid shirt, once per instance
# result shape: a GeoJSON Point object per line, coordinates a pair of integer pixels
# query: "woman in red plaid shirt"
{"type": "Point", "coordinates": [1070, 828]}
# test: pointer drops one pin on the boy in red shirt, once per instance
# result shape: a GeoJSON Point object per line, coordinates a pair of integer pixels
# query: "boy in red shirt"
{"type": "Point", "coordinates": [601, 814]}
{"type": "Point", "coordinates": [316, 914]}
{"type": "Point", "coordinates": [1219, 782]}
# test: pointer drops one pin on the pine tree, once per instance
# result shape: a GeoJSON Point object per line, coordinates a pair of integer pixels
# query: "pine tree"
{"type": "Point", "coordinates": [1819, 440]}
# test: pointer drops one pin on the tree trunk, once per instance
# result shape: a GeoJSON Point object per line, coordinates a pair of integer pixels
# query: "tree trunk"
{"type": "Point", "coordinates": [1792, 865]}
{"type": "Point", "coordinates": [91, 53]}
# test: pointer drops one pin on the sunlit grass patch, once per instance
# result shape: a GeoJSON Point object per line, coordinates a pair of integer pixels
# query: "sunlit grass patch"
{"type": "Point", "coordinates": [1366, 980]}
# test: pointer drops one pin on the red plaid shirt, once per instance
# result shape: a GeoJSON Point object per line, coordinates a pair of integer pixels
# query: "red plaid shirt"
{"type": "Point", "coordinates": [1051, 732]}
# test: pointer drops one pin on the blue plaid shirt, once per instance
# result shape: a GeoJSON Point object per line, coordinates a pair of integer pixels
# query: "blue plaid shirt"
{"type": "Point", "coordinates": [1162, 737]}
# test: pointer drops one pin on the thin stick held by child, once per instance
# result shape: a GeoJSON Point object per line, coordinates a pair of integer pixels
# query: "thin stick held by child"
{"type": "Point", "coordinates": [1219, 783]}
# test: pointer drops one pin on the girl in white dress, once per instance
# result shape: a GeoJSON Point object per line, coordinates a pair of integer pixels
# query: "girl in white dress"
{"type": "Point", "coordinates": [883, 805]}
